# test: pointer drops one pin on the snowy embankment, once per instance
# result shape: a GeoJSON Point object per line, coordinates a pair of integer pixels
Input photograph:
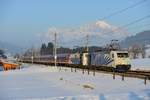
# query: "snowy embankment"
{"type": "Point", "coordinates": [39, 82]}
{"type": "Point", "coordinates": [142, 64]}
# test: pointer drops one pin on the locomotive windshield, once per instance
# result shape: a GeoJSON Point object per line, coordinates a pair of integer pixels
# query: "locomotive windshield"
{"type": "Point", "coordinates": [122, 55]}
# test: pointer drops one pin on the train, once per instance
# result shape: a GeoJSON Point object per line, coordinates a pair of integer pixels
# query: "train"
{"type": "Point", "coordinates": [118, 60]}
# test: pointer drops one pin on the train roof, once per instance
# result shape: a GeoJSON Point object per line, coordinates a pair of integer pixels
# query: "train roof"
{"type": "Point", "coordinates": [108, 51]}
{"type": "Point", "coordinates": [120, 51]}
{"type": "Point", "coordinates": [47, 56]}
{"type": "Point", "coordinates": [58, 55]}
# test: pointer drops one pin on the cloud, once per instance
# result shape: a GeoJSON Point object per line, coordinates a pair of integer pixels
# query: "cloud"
{"type": "Point", "coordinates": [101, 30]}
{"type": "Point", "coordinates": [103, 25]}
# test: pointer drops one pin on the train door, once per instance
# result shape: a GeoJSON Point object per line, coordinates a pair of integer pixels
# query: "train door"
{"type": "Point", "coordinates": [113, 57]}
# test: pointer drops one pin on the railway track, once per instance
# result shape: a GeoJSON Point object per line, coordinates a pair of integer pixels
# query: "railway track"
{"type": "Point", "coordinates": [145, 74]}
{"type": "Point", "coordinates": [105, 69]}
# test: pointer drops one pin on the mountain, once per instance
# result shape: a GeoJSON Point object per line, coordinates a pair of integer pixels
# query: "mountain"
{"type": "Point", "coordinates": [139, 38]}
{"type": "Point", "coordinates": [100, 33]}
{"type": "Point", "coordinates": [10, 48]}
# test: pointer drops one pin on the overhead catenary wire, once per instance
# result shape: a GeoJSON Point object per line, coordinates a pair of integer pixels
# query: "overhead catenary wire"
{"type": "Point", "coordinates": [121, 27]}
{"type": "Point", "coordinates": [129, 24]}
{"type": "Point", "coordinates": [139, 26]}
{"type": "Point", "coordinates": [123, 10]}
{"type": "Point", "coordinates": [143, 27]}
{"type": "Point", "coordinates": [118, 12]}
{"type": "Point", "coordinates": [136, 21]}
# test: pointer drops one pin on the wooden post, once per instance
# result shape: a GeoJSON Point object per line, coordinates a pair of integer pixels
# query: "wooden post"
{"type": "Point", "coordinates": [145, 80]}
{"type": "Point", "coordinates": [94, 72]}
{"type": "Point", "coordinates": [113, 75]}
{"type": "Point", "coordinates": [122, 77]}
{"type": "Point", "coordinates": [71, 69]}
{"type": "Point", "coordinates": [75, 69]}
{"type": "Point", "coordinates": [88, 71]}
{"type": "Point", "coordinates": [83, 70]}
{"type": "Point", "coordinates": [60, 68]}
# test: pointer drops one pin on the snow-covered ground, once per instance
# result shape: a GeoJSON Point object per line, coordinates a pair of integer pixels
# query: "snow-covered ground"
{"type": "Point", "coordinates": [39, 82]}
{"type": "Point", "coordinates": [143, 64]}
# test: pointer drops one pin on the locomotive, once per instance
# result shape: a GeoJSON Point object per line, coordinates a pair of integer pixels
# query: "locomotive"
{"type": "Point", "coordinates": [118, 60]}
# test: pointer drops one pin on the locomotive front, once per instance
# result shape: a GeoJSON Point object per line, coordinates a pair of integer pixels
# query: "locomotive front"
{"type": "Point", "coordinates": [121, 60]}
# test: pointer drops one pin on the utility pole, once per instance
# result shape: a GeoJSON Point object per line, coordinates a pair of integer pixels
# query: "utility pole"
{"type": "Point", "coordinates": [32, 55]}
{"type": "Point", "coordinates": [87, 43]}
{"type": "Point", "coordinates": [55, 50]}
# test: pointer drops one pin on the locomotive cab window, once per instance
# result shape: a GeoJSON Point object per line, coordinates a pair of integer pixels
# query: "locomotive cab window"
{"type": "Point", "coordinates": [122, 55]}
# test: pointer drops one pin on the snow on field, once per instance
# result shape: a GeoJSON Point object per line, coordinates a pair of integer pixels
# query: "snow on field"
{"type": "Point", "coordinates": [39, 82]}
{"type": "Point", "coordinates": [143, 64]}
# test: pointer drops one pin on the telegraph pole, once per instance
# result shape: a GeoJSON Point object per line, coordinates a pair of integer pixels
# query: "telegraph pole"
{"type": "Point", "coordinates": [55, 50]}
{"type": "Point", "coordinates": [87, 43]}
{"type": "Point", "coordinates": [32, 57]}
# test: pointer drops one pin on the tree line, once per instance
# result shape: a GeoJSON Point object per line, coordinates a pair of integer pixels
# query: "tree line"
{"type": "Point", "coordinates": [46, 49]}
{"type": "Point", "coordinates": [2, 55]}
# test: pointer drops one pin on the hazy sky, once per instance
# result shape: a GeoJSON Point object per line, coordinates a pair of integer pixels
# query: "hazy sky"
{"type": "Point", "coordinates": [21, 21]}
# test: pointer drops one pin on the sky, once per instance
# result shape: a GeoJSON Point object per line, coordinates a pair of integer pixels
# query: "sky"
{"type": "Point", "coordinates": [29, 22]}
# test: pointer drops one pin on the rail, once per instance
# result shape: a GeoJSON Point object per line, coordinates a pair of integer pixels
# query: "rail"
{"type": "Point", "coordinates": [104, 69]}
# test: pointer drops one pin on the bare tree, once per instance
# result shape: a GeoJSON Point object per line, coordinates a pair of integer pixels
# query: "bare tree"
{"type": "Point", "coordinates": [143, 50]}
{"type": "Point", "coordinates": [136, 50]}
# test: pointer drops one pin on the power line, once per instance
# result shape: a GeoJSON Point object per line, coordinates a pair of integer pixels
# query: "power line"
{"type": "Point", "coordinates": [123, 26]}
{"type": "Point", "coordinates": [138, 20]}
{"type": "Point", "coordinates": [144, 25]}
{"type": "Point", "coordinates": [124, 9]}
{"type": "Point", "coordinates": [131, 23]}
